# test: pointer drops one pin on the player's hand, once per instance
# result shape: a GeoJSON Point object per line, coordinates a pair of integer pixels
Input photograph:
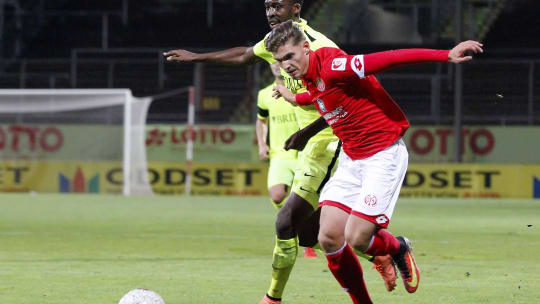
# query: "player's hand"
{"type": "Point", "coordinates": [457, 54]}
{"type": "Point", "coordinates": [180, 56]}
{"type": "Point", "coordinates": [263, 152]}
{"type": "Point", "coordinates": [282, 91]}
{"type": "Point", "coordinates": [297, 141]}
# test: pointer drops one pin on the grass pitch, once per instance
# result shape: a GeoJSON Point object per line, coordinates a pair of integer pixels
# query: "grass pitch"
{"type": "Point", "coordinates": [92, 249]}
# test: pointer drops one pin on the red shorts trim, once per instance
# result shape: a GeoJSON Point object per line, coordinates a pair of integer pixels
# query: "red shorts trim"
{"type": "Point", "coordinates": [380, 220]}
{"type": "Point", "coordinates": [335, 204]}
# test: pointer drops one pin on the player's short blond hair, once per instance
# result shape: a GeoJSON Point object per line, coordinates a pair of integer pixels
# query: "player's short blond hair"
{"type": "Point", "coordinates": [281, 34]}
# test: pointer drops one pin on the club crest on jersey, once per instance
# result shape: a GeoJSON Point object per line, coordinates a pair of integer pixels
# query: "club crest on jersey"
{"type": "Point", "coordinates": [320, 85]}
{"type": "Point", "coordinates": [322, 107]}
{"type": "Point", "coordinates": [339, 64]}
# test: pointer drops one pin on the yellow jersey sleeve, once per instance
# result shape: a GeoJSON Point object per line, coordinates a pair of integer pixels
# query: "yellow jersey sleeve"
{"type": "Point", "coordinates": [260, 51]}
{"type": "Point", "coordinates": [262, 104]}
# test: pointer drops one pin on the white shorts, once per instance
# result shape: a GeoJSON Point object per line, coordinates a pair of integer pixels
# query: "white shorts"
{"type": "Point", "coordinates": [368, 188]}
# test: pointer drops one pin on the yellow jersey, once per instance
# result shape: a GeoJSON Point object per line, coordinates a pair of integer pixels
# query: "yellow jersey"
{"type": "Point", "coordinates": [281, 120]}
{"type": "Point", "coordinates": [308, 114]}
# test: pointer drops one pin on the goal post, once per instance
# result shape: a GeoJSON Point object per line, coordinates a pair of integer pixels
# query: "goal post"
{"type": "Point", "coordinates": [76, 136]}
{"type": "Point", "coordinates": [190, 127]}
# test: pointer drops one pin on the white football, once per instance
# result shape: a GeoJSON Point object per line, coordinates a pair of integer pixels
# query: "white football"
{"type": "Point", "coordinates": [141, 296]}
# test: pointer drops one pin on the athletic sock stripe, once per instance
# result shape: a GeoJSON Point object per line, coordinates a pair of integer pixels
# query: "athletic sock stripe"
{"type": "Point", "coordinates": [330, 166]}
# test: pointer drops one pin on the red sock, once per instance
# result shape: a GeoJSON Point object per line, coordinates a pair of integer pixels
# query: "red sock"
{"type": "Point", "coordinates": [383, 243]}
{"type": "Point", "coordinates": [347, 270]}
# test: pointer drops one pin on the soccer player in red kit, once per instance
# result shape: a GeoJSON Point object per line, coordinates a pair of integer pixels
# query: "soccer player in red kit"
{"type": "Point", "coordinates": [359, 199]}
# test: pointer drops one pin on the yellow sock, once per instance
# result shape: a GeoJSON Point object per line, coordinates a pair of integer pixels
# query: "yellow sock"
{"type": "Point", "coordinates": [360, 254]}
{"type": "Point", "coordinates": [285, 253]}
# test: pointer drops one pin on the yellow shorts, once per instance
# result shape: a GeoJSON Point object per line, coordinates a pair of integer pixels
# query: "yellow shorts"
{"type": "Point", "coordinates": [314, 167]}
{"type": "Point", "coordinates": [281, 172]}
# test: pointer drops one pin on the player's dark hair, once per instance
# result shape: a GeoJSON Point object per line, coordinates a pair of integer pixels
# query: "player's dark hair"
{"type": "Point", "coordinates": [281, 34]}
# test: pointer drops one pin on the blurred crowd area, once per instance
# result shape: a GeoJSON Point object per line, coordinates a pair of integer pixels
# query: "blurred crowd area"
{"type": "Point", "coordinates": [119, 44]}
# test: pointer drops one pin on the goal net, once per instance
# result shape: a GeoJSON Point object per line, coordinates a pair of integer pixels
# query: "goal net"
{"type": "Point", "coordinates": [82, 141]}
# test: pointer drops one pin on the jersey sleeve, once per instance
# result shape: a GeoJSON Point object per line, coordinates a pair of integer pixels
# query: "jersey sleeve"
{"type": "Point", "coordinates": [364, 65]}
{"type": "Point", "coordinates": [303, 99]}
{"type": "Point", "coordinates": [260, 51]}
{"type": "Point", "coordinates": [262, 107]}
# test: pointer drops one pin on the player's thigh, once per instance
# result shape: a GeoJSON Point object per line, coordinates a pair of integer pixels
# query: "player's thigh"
{"type": "Point", "coordinates": [292, 216]}
{"type": "Point", "coordinates": [381, 176]}
{"type": "Point", "coordinates": [358, 232]}
{"type": "Point", "coordinates": [314, 168]}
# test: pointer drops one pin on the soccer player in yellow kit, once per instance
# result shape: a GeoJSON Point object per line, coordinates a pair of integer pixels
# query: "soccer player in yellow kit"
{"type": "Point", "coordinates": [276, 122]}
{"type": "Point", "coordinates": [315, 163]}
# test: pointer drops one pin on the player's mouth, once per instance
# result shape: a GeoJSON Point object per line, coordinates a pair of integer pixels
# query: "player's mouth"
{"type": "Point", "coordinates": [292, 72]}
{"type": "Point", "coordinates": [273, 23]}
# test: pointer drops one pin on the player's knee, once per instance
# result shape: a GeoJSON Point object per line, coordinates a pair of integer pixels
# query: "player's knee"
{"type": "Point", "coordinates": [277, 198]}
{"type": "Point", "coordinates": [358, 240]}
{"type": "Point", "coordinates": [278, 194]}
{"type": "Point", "coordinates": [284, 222]}
{"type": "Point", "coordinates": [330, 242]}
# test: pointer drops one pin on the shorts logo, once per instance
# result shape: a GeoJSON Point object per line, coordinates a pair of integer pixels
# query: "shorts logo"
{"type": "Point", "coordinates": [339, 64]}
{"type": "Point", "coordinates": [320, 85]}
{"type": "Point", "coordinates": [370, 200]}
{"type": "Point", "coordinates": [381, 220]}
{"type": "Point", "coordinates": [302, 188]}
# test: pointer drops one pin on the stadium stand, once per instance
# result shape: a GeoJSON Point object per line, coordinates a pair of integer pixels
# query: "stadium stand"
{"type": "Point", "coordinates": [63, 44]}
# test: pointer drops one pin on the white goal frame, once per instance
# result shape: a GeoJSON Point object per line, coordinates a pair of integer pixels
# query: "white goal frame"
{"type": "Point", "coordinates": [127, 103]}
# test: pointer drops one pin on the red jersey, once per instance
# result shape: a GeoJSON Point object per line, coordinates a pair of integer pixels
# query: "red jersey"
{"type": "Point", "coordinates": [353, 102]}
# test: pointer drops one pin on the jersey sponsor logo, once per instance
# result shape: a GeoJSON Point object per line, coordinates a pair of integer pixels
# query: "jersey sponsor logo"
{"type": "Point", "coordinates": [339, 64]}
{"type": "Point", "coordinates": [357, 65]}
{"type": "Point", "coordinates": [334, 116]}
{"type": "Point", "coordinates": [370, 200]}
{"type": "Point", "coordinates": [322, 107]}
{"type": "Point", "coordinates": [381, 220]}
{"type": "Point", "coordinates": [320, 85]}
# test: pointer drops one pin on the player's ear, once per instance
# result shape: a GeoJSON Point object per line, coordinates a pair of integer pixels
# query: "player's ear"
{"type": "Point", "coordinates": [306, 47]}
{"type": "Point", "coordinates": [296, 8]}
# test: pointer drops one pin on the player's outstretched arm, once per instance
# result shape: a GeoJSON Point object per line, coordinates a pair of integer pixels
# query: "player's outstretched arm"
{"type": "Point", "coordinates": [235, 56]}
{"type": "Point", "coordinates": [298, 140]}
{"type": "Point", "coordinates": [382, 61]}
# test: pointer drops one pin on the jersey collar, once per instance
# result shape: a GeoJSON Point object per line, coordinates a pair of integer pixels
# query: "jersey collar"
{"type": "Point", "coordinates": [301, 23]}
